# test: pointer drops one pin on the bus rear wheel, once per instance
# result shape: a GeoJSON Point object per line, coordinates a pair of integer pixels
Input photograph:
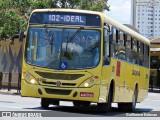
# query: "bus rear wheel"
{"type": "Point", "coordinates": [129, 106]}
{"type": "Point", "coordinates": [81, 103]}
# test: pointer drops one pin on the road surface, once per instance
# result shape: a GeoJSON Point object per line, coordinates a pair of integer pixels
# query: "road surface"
{"type": "Point", "coordinates": [66, 109]}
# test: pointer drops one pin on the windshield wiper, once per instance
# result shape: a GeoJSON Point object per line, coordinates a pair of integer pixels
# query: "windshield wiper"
{"type": "Point", "coordinates": [72, 37]}
{"type": "Point", "coordinates": [47, 31]}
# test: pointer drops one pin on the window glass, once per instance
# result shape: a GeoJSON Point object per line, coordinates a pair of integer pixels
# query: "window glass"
{"type": "Point", "coordinates": [135, 45]}
{"type": "Point", "coordinates": [117, 36]}
{"type": "Point", "coordinates": [114, 34]}
{"type": "Point", "coordinates": [154, 62]}
{"type": "Point", "coordinates": [120, 53]}
{"type": "Point", "coordinates": [141, 55]}
{"type": "Point", "coordinates": [146, 56]}
{"type": "Point", "coordinates": [56, 48]}
{"type": "Point", "coordinates": [106, 47]}
{"type": "Point", "coordinates": [129, 57]}
{"type": "Point", "coordinates": [134, 52]}
{"type": "Point", "coordinates": [128, 42]}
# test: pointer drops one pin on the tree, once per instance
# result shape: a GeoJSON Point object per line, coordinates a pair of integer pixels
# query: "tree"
{"type": "Point", "coordinates": [13, 12]}
{"type": "Point", "coordinates": [94, 5]}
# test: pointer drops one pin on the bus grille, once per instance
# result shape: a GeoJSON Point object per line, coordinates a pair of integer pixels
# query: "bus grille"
{"type": "Point", "coordinates": [57, 91]}
{"type": "Point", "coordinates": [59, 76]}
{"type": "Point", "coordinates": [63, 84]}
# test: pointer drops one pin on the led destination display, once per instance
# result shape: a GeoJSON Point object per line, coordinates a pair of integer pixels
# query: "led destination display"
{"type": "Point", "coordinates": [75, 19]}
{"type": "Point", "coordinates": [65, 18]}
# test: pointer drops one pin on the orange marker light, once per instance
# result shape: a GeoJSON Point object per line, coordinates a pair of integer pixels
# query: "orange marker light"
{"type": "Point", "coordinates": [96, 77]}
{"type": "Point", "coordinates": [24, 72]}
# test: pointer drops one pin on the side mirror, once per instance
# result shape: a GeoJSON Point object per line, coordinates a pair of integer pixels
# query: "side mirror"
{"type": "Point", "coordinates": [21, 35]}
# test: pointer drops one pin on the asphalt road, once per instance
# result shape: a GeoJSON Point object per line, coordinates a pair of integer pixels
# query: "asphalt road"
{"type": "Point", "coordinates": [66, 109]}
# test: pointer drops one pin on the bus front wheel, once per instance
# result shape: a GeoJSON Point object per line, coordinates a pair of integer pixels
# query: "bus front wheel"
{"type": "Point", "coordinates": [81, 103]}
{"type": "Point", "coordinates": [44, 103]}
{"type": "Point", "coordinates": [106, 107]}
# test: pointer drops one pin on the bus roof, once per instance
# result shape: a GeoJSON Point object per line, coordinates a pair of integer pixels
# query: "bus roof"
{"type": "Point", "coordinates": [107, 20]}
{"type": "Point", "coordinates": [127, 30]}
{"type": "Point", "coordinates": [67, 10]}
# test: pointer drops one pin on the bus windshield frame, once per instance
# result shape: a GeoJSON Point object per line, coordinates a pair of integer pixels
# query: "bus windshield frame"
{"type": "Point", "coordinates": [82, 52]}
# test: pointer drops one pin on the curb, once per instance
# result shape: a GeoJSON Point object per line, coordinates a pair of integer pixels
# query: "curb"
{"type": "Point", "coordinates": [154, 90]}
{"type": "Point", "coordinates": [9, 92]}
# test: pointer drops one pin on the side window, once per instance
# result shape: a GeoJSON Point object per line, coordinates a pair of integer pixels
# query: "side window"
{"type": "Point", "coordinates": [121, 40]}
{"type": "Point", "coordinates": [128, 42]}
{"type": "Point", "coordinates": [135, 51]}
{"type": "Point", "coordinates": [135, 45]}
{"type": "Point", "coordinates": [120, 54]}
{"type": "Point", "coordinates": [146, 56]}
{"type": "Point", "coordinates": [131, 43]}
{"type": "Point", "coordinates": [141, 53]}
{"type": "Point", "coordinates": [106, 47]}
{"type": "Point", "coordinates": [113, 46]}
{"type": "Point", "coordinates": [117, 36]}
{"type": "Point", "coordinates": [154, 62]}
{"type": "Point", "coordinates": [114, 34]}
{"type": "Point", "coordinates": [128, 49]}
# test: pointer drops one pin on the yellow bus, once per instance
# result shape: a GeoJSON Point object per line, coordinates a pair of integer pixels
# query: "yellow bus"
{"type": "Point", "coordinates": [85, 57]}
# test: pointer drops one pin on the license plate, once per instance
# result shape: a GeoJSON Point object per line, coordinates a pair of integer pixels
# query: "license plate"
{"type": "Point", "coordinates": [86, 94]}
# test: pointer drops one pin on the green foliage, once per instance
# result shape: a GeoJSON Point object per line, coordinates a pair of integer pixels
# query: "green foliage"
{"type": "Point", "coordinates": [44, 4]}
{"type": "Point", "coordinates": [11, 24]}
{"type": "Point", "coordinates": [12, 13]}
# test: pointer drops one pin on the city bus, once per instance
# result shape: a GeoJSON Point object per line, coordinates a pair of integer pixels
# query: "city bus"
{"type": "Point", "coordinates": [155, 65]}
{"type": "Point", "coordinates": [85, 57]}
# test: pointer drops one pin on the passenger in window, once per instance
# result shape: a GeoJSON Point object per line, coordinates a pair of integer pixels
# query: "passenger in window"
{"type": "Point", "coordinates": [93, 46]}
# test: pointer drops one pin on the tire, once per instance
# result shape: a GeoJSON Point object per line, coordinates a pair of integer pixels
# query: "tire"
{"type": "Point", "coordinates": [129, 107]}
{"type": "Point", "coordinates": [44, 103]}
{"type": "Point", "coordinates": [106, 107]}
{"type": "Point", "coordinates": [81, 103]}
{"type": "Point", "coordinates": [134, 101]}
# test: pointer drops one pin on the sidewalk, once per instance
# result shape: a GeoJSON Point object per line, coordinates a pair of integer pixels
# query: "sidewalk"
{"type": "Point", "coordinates": [12, 91]}
{"type": "Point", "coordinates": [155, 90]}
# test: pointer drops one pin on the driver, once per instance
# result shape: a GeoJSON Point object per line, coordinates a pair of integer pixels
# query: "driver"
{"type": "Point", "coordinates": [92, 45]}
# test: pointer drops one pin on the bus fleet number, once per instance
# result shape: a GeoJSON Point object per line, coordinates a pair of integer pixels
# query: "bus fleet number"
{"type": "Point", "coordinates": [54, 18]}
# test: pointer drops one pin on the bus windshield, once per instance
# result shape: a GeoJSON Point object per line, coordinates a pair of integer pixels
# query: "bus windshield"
{"type": "Point", "coordinates": [56, 48]}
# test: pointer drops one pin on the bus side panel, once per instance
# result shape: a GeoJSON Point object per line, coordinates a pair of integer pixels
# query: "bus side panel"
{"type": "Point", "coordinates": [129, 82]}
{"type": "Point", "coordinates": [105, 80]}
{"type": "Point", "coordinates": [140, 84]}
{"type": "Point", "coordinates": [115, 71]}
{"type": "Point", "coordinates": [143, 84]}
{"type": "Point", "coordinates": [120, 79]}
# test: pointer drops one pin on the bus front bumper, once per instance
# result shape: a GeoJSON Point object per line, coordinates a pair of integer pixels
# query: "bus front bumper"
{"type": "Point", "coordinates": [83, 94]}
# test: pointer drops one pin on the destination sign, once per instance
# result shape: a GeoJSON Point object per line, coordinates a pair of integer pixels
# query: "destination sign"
{"type": "Point", "coordinates": [65, 18]}
{"type": "Point", "coordinates": [57, 18]}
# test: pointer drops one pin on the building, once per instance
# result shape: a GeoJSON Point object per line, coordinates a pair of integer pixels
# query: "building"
{"type": "Point", "coordinates": [146, 17]}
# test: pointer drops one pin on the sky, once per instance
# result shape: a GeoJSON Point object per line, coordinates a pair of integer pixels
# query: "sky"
{"type": "Point", "coordinates": [120, 10]}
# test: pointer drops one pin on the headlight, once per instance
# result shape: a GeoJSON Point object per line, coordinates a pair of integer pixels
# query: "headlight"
{"type": "Point", "coordinates": [33, 81]}
{"type": "Point", "coordinates": [88, 83]}
{"type": "Point", "coordinates": [30, 79]}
